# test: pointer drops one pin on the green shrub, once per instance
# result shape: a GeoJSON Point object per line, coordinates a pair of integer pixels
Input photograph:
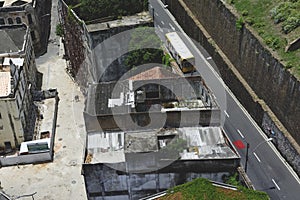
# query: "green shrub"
{"type": "Point", "coordinates": [245, 12]}
{"type": "Point", "coordinates": [239, 23]}
{"type": "Point", "coordinates": [259, 25]}
{"type": "Point", "coordinates": [290, 24]}
{"type": "Point", "coordinates": [281, 12]}
{"type": "Point", "coordinates": [272, 41]}
{"type": "Point", "coordinates": [288, 14]}
{"type": "Point", "coordinates": [261, 32]}
{"type": "Point", "coordinates": [249, 20]}
{"type": "Point", "coordinates": [95, 9]}
{"type": "Point", "coordinates": [139, 54]}
{"type": "Point", "coordinates": [289, 65]}
{"type": "Point", "coordinates": [231, 1]}
{"type": "Point", "coordinates": [59, 30]}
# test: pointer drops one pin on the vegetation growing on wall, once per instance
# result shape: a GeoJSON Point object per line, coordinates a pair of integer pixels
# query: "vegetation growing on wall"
{"type": "Point", "coordinates": [59, 30]}
{"type": "Point", "coordinates": [202, 189]}
{"type": "Point", "coordinates": [167, 59]}
{"type": "Point", "coordinates": [277, 22]}
{"type": "Point", "coordinates": [141, 39]}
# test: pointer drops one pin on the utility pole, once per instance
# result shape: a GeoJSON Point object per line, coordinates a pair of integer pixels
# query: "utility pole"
{"type": "Point", "coordinates": [247, 152]}
{"type": "Point", "coordinates": [153, 14]}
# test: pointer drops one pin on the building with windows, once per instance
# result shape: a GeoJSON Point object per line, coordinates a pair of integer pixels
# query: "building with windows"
{"type": "Point", "coordinates": [150, 131]}
{"type": "Point", "coordinates": [18, 80]}
{"type": "Point", "coordinates": [33, 14]}
{"type": "Point", "coordinates": [151, 99]}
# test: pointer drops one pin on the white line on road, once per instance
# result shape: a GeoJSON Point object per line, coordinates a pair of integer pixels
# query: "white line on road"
{"type": "Point", "coordinates": [256, 157]}
{"type": "Point", "coordinates": [275, 184]}
{"type": "Point", "coordinates": [156, 14]}
{"type": "Point", "coordinates": [234, 98]}
{"type": "Point", "coordinates": [240, 133]}
{"type": "Point", "coordinates": [226, 113]}
{"type": "Point", "coordinates": [162, 22]}
{"type": "Point", "coordinates": [172, 27]}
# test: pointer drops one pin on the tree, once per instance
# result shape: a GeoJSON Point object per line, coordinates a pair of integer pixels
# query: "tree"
{"type": "Point", "coordinates": [94, 9]}
{"type": "Point", "coordinates": [141, 39]}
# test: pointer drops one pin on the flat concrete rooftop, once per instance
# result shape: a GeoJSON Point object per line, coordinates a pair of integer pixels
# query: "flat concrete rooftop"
{"type": "Point", "coordinates": [137, 19]}
{"type": "Point", "coordinates": [133, 96]}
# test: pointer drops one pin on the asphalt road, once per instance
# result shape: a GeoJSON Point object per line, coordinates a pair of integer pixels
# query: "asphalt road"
{"type": "Point", "coordinates": [267, 170]}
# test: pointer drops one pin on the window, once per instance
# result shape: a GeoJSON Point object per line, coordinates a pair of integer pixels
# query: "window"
{"type": "Point", "coordinates": [32, 35]}
{"type": "Point", "coordinates": [8, 147]}
{"type": "Point", "coordinates": [29, 19]}
{"type": "Point", "coordinates": [18, 20]}
{"type": "Point", "coordinates": [10, 21]}
{"type": "Point", "coordinates": [2, 22]}
{"type": "Point", "coordinates": [1, 127]}
{"type": "Point", "coordinates": [0, 116]}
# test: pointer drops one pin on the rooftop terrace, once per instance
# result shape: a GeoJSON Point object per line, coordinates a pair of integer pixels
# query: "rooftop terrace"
{"type": "Point", "coordinates": [136, 95]}
{"type": "Point", "coordinates": [140, 18]}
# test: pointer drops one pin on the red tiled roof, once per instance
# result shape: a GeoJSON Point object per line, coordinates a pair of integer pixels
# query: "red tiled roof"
{"type": "Point", "coordinates": [154, 73]}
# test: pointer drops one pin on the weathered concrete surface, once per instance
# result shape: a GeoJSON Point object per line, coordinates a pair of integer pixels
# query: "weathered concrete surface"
{"type": "Point", "coordinates": [258, 80]}
{"type": "Point", "coordinates": [62, 178]}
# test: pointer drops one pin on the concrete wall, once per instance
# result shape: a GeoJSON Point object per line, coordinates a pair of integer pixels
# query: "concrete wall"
{"type": "Point", "coordinates": [257, 65]}
{"type": "Point", "coordinates": [38, 157]}
{"type": "Point", "coordinates": [253, 74]}
{"type": "Point", "coordinates": [105, 182]}
{"type": "Point", "coordinates": [25, 159]}
{"type": "Point", "coordinates": [129, 121]}
{"type": "Point", "coordinates": [43, 14]}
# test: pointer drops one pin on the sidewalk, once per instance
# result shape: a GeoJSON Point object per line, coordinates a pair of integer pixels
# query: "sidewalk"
{"type": "Point", "coordinates": [62, 179]}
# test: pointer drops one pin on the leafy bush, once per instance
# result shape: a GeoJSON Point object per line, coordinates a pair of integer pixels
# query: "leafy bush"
{"type": "Point", "coordinates": [239, 23]}
{"type": "Point", "coordinates": [245, 12]}
{"type": "Point", "coordinates": [140, 53]}
{"type": "Point", "coordinates": [94, 9]}
{"type": "Point", "coordinates": [288, 13]}
{"type": "Point", "coordinates": [59, 30]}
{"type": "Point", "coordinates": [272, 41]}
{"type": "Point", "coordinates": [291, 23]}
{"type": "Point", "coordinates": [233, 180]}
{"type": "Point", "coordinates": [250, 20]}
{"type": "Point", "coordinates": [167, 59]}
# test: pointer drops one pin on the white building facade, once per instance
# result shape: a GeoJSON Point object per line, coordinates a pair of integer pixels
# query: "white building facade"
{"type": "Point", "coordinates": [18, 81]}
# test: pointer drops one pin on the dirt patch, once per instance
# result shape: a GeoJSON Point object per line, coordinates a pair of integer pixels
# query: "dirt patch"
{"type": "Point", "coordinates": [231, 193]}
{"type": "Point", "coordinates": [174, 196]}
{"type": "Point", "coordinates": [57, 146]}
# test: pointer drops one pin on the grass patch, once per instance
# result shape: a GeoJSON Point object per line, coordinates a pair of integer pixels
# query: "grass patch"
{"type": "Point", "coordinates": [277, 22]}
{"type": "Point", "coordinates": [202, 189]}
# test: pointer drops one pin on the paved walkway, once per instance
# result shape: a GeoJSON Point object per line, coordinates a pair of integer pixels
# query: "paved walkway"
{"type": "Point", "coordinates": [62, 179]}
